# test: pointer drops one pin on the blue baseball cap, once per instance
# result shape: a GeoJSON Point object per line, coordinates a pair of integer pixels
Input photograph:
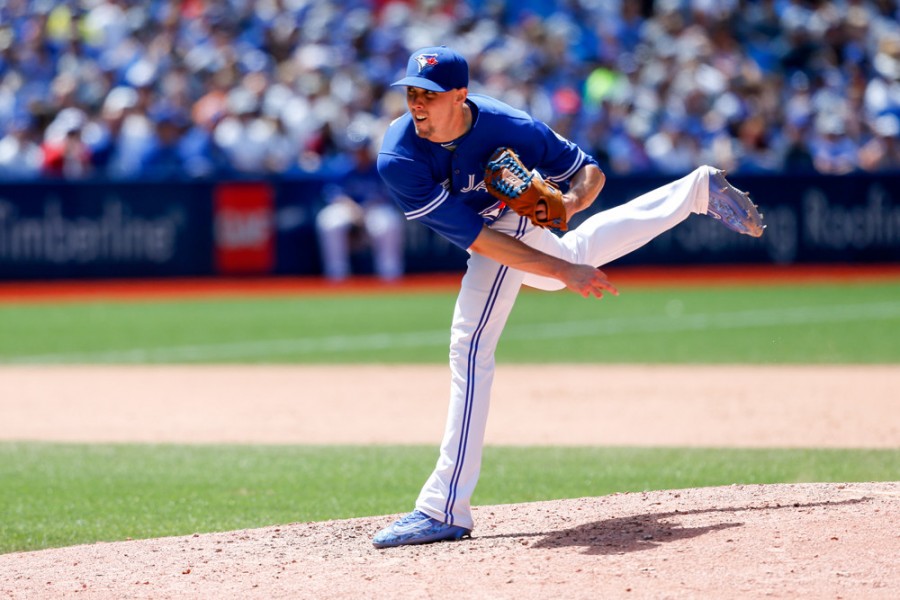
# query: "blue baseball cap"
{"type": "Point", "coordinates": [437, 69]}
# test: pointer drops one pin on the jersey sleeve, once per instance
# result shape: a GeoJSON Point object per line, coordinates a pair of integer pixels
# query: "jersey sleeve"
{"type": "Point", "coordinates": [423, 199]}
{"type": "Point", "coordinates": [562, 158]}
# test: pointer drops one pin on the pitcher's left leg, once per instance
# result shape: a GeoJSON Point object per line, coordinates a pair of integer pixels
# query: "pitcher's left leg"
{"type": "Point", "coordinates": [613, 233]}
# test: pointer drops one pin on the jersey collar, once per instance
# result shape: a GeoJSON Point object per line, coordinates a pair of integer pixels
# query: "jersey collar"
{"type": "Point", "coordinates": [452, 145]}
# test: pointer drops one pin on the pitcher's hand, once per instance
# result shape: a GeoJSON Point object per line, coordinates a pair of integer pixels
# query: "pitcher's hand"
{"type": "Point", "coordinates": [588, 281]}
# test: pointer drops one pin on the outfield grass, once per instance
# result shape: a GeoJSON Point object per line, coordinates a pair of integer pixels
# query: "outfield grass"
{"type": "Point", "coordinates": [821, 324]}
{"type": "Point", "coordinates": [64, 494]}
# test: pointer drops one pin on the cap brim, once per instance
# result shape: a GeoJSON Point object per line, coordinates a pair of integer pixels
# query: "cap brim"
{"type": "Point", "coordinates": [419, 82]}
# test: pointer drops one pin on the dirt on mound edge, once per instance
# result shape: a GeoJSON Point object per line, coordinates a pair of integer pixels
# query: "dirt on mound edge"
{"type": "Point", "coordinates": [742, 541]}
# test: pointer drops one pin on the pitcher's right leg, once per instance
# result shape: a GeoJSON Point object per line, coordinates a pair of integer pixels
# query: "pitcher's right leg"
{"type": "Point", "coordinates": [485, 300]}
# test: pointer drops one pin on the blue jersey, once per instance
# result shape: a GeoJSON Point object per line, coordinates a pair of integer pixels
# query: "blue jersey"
{"type": "Point", "coordinates": [444, 189]}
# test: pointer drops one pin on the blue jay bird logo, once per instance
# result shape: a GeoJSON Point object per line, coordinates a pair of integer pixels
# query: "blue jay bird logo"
{"type": "Point", "coordinates": [426, 60]}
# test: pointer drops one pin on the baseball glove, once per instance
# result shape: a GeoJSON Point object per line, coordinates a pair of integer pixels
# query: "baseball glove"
{"type": "Point", "coordinates": [524, 191]}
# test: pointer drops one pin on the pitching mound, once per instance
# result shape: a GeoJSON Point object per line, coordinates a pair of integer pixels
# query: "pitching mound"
{"type": "Point", "coordinates": [792, 541]}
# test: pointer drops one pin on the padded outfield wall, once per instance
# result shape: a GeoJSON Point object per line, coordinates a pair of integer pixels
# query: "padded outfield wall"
{"type": "Point", "coordinates": [96, 229]}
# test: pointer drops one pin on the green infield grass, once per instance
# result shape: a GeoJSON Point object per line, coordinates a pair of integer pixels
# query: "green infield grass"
{"type": "Point", "coordinates": [764, 324]}
{"type": "Point", "coordinates": [63, 494]}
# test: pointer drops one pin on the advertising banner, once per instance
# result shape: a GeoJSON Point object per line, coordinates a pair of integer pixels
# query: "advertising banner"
{"type": "Point", "coordinates": [55, 230]}
{"type": "Point", "coordinates": [244, 216]}
{"type": "Point", "coordinates": [98, 230]}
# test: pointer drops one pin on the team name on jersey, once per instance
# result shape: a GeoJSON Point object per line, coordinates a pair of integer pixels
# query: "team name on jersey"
{"type": "Point", "coordinates": [471, 187]}
{"type": "Point", "coordinates": [474, 186]}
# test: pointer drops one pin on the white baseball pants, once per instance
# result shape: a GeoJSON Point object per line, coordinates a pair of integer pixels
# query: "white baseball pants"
{"type": "Point", "coordinates": [485, 300]}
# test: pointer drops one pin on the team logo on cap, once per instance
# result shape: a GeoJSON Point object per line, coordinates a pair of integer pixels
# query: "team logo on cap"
{"type": "Point", "coordinates": [426, 60]}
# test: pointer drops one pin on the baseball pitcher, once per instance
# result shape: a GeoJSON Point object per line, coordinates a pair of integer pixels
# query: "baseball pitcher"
{"type": "Point", "coordinates": [495, 181]}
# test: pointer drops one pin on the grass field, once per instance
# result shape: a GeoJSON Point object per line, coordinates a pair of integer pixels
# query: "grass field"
{"type": "Point", "coordinates": [61, 494]}
{"type": "Point", "coordinates": [55, 494]}
{"type": "Point", "coordinates": [851, 323]}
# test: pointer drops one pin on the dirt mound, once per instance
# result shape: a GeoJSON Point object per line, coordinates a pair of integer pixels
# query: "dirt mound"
{"type": "Point", "coordinates": [794, 541]}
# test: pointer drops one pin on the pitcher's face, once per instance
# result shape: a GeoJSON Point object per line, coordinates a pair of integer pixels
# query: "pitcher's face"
{"type": "Point", "coordinates": [437, 116]}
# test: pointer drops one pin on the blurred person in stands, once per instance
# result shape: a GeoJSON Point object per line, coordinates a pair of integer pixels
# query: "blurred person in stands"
{"type": "Point", "coordinates": [882, 151]}
{"type": "Point", "coordinates": [65, 154]}
{"type": "Point", "coordinates": [255, 143]}
{"type": "Point", "coordinates": [673, 150]}
{"type": "Point", "coordinates": [21, 156]}
{"type": "Point", "coordinates": [359, 215]}
{"type": "Point", "coordinates": [164, 158]}
{"type": "Point", "coordinates": [756, 153]}
{"type": "Point", "coordinates": [109, 136]}
{"type": "Point", "coordinates": [833, 152]}
{"type": "Point", "coordinates": [203, 157]}
{"type": "Point", "coordinates": [626, 150]}
{"type": "Point", "coordinates": [796, 157]}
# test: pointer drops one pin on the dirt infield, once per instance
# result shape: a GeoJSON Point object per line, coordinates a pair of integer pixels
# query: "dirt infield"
{"type": "Point", "coordinates": [586, 405]}
{"type": "Point", "coordinates": [788, 541]}
{"type": "Point", "coordinates": [782, 541]}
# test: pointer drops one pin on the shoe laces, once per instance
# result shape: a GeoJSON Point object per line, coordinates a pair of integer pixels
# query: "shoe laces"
{"type": "Point", "coordinates": [414, 516]}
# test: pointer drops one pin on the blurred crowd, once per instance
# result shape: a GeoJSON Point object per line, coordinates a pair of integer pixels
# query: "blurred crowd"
{"type": "Point", "coordinates": [245, 88]}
